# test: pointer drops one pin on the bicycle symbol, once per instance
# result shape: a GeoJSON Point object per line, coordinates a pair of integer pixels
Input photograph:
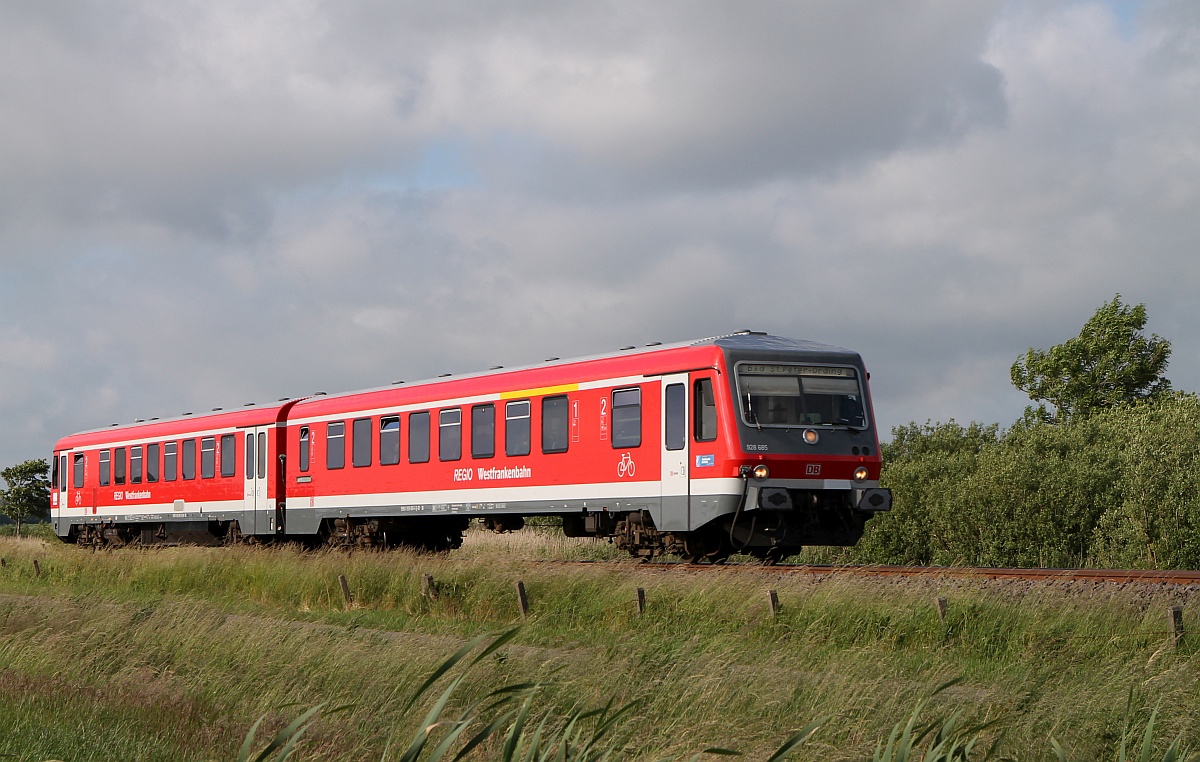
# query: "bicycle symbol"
{"type": "Point", "coordinates": [626, 467]}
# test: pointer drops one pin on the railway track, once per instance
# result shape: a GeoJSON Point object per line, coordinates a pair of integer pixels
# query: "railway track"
{"type": "Point", "coordinates": [1144, 576]}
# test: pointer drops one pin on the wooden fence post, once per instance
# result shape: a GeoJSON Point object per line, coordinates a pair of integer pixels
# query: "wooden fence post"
{"type": "Point", "coordinates": [773, 602]}
{"type": "Point", "coordinates": [428, 589]}
{"type": "Point", "coordinates": [345, 588]}
{"type": "Point", "coordinates": [37, 569]}
{"type": "Point", "coordinates": [522, 599]}
{"type": "Point", "coordinates": [1175, 617]}
{"type": "Point", "coordinates": [641, 601]}
{"type": "Point", "coordinates": [941, 609]}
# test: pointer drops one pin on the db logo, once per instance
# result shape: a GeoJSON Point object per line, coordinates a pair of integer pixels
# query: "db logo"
{"type": "Point", "coordinates": [813, 469]}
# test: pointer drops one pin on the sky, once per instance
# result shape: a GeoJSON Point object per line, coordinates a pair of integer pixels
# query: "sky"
{"type": "Point", "coordinates": [209, 203]}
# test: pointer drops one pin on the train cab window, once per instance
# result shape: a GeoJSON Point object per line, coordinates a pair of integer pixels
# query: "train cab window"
{"type": "Point", "coordinates": [335, 445]}
{"type": "Point", "coordinates": [208, 457]}
{"type": "Point", "coordinates": [228, 455]}
{"type": "Point", "coordinates": [483, 431]}
{"type": "Point", "coordinates": [77, 470]}
{"type": "Point", "coordinates": [389, 440]}
{"type": "Point", "coordinates": [627, 417]}
{"type": "Point", "coordinates": [170, 461]}
{"type": "Point", "coordinates": [704, 411]}
{"type": "Point", "coordinates": [152, 463]}
{"type": "Point", "coordinates": [54, 472]}
{"type": "Point", "coordinates": [555, 424]}
{"type": "Point", "coordinates": [135, 465]}
{"type": "Point", "coordinates": [188, 456]}
{"type": "Point", "coordinates": [304, 451]}
{"type": "Point", "coordinates": [360, 447]}
{"type": "Point", "coordinates": [62, 472]}
{"type": "Point", "coordinates": [450, 434]}
{"type": "Point", "coordinates": [516, 428]}
{"type": "Point", "coordinates": [105, 468]}
{"type": "Point", "coordinates": [676, 428]}
{"type": "Point", "coordinates": [119, 465]}
{"type": "Point", "coordinates": [800, 395]}
{"type": "Point", "coordinates": [418, 437]}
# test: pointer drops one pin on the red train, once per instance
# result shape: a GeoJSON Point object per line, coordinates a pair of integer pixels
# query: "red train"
{"type": "Point", "coordinates": [744, 443]}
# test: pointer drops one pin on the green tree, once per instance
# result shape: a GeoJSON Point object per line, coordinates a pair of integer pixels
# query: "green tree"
{"type": "Point", "coordinates": [28, 493]}
{"type": "Point", "coordinates": [1109, 363]}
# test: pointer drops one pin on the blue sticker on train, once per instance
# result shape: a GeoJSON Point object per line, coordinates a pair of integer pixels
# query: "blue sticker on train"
{"type": "Point", "coordinates": [705, 460]}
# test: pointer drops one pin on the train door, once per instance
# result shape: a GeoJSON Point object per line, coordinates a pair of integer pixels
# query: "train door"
{"type": "Point", "coordinates": [675, 489]}
{"type": "Point", "coordinates": [259, 516]}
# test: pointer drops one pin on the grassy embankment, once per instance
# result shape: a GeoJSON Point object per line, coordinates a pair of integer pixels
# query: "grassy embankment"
{"type": "Point", "coordinates": [172, 654]}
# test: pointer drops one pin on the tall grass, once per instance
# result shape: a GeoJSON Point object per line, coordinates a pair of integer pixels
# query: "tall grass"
{"type": "Point", "coordinates": [172, 653]}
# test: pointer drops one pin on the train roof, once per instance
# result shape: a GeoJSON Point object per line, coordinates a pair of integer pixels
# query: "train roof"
{"type": "Point", "coordinates": [745, 341]}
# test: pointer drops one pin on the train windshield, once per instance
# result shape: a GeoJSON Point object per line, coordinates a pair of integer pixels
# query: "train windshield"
{"type": "Point", "coordinates": [800, 395]}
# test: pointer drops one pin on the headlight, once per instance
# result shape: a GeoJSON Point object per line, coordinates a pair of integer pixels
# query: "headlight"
{"type": "Point", "coordinates": [811, 436]}
{"type": "Point", "coordinates": [761, 472]}
{"type": "Point", "coordinates": [860, 474]}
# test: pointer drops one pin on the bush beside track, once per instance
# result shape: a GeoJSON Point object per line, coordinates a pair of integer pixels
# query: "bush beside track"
{"type": "Point", "coordinates": [1119, 488]}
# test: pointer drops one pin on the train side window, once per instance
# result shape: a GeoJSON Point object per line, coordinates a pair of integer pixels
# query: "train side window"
{"type": "Point", "coordinates": [54, 472]}
{"type": "Point", "coordinates": [418, 437]}
{"type": "Point", "coordinates": [249, 455]}
{"type": "Point", "coordinates": [516, 428]}
{"type": "Point", "coordinates": [62, 472]}
{"type": "Point", "coordinates": [228, 455]}
{"type": "Point", "coordinates": [135, 465]}
{"type": "Point", "coordinates": [450, 434]}
{"type": "Point", "coordinates": [555, 424]}
{"type": "Point", "coordinates": [676, 435]}
{"type": "Point", "coordinates": [152, 462]}
{"type": "Point", "coordinates": [304, 449]}
{"type": "Point", "coordinates": [77, 470]}
{"type": "Point", "coordinates": [119, 465]}
{"type": "Point", "coordinates": [188, 456]}
{"type": "Point", "coordinates": [335, 445]}
{"type": "Point", "coordinates": [262, 455]}
{"type": "Point", "coordinates": [170, 461]}
{"type": "Point", "coordinates": [704, 410]}
{"type": "Point", "coordinates": [105, 468]}
{"type": "Point", "coordinates": [360, 447]}
{"type": "Point", "coordinates": [483, 431]}
{"type": "Point", "coordinates": [208, 457]}
{"type": "Point", "coordinates": [627, 417]}
{"type": "Point", "coordinates": [389, 440]}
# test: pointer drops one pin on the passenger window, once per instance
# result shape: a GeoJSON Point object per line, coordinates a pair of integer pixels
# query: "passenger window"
{"type": "Point", "coordinates": [262, 455]}
{"type": "Point", "coordinates": [627, 417]}
{"type": "Point", "coordinates": [188, 466]}
{"type": "Point", "coordinates": [483, 431]}
{"type": "Point", "coordinates": [62, 472]}
{"type": "Point", "coordinates": [418, 437]}
{"type": "Point", "coordinates": [389, 440]}
{"type": "Point", "coordinates": [516, 428]}
{"type": "Point", "coordinates": [555, 425]}
{"type": "Point", "coordinates": [170, 461]}
{"type": "Point", "coordinates": [676, 438]}
{"type": "Point", "coordinates": [361, 446]}
{"type": "Point", "coordinates": [119, 465]}
{"type": "Point", "coordinates": [152, 463]}
{"type": "Point", "coordinates": [304, 451]}
{"type": "Point", "coordinates": [450, 434]}
{"type": "Point", "coordinates": [228, 455]}
{"type": "Point", "coordinates": [208, 457]}
{"type": "Point", "coordinates": [135, 465]}
{"type": "Point", "coordinates": [249, 456]}
{"type": "Point", "coordinates": [77, 470]}
{"type": "Point", "coordinates": [704, 411]}
{"type": "Point", "coordinates": [335, 445]}
{"type": "Point", "coordinates": [105, 468]}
